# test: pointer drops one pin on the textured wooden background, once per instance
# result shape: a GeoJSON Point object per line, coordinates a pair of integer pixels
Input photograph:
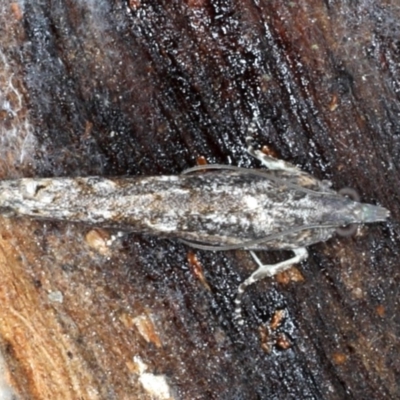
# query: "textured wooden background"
{"type": "Point", "coordinates": [146, 87]}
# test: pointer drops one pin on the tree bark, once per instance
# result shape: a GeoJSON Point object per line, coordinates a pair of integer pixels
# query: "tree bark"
{"type": "Point", "coordinates": [146, 88]}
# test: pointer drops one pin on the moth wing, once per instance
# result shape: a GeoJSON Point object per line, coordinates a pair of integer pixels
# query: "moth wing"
{"type": "Point", "coordinates": [285, 240]}
{"type": "Point", "coordinates": [297, 178]}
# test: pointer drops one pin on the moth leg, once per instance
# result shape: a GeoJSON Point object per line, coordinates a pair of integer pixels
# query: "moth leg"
{"type": "Point", "coordinates": [268, 161]}
{"type": "Point", "coordinates": [296, 174]}
{"type": "Point", "coordinates": [263, 271]}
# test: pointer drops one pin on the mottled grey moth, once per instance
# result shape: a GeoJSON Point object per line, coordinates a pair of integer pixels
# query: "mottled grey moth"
{"type": "Point", "coordinates": [211, 207]}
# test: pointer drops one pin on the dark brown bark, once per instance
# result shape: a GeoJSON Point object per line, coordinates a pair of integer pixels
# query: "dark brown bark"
{"type": "Point", "coordinates": [147, 87]}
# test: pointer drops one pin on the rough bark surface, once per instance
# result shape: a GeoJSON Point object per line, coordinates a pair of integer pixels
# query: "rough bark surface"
{"type": "Point", "coordinates": [145, 87]}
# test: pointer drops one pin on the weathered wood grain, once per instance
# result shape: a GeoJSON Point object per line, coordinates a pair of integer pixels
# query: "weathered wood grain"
{"type": "Point", "coordinates": [147, 87]}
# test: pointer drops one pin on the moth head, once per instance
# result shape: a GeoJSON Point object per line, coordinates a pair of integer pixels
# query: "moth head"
{"type": "Point", "coordinates": [360, 213]}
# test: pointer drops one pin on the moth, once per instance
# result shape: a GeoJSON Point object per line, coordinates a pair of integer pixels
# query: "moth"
{"type": "Point", "coordinates": [211, 207]}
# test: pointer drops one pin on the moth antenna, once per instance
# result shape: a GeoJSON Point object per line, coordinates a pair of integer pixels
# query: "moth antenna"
{"type": "Point", "coordinates": [347, 231]}
{"type": "Point", "coordinates": [350, 193]}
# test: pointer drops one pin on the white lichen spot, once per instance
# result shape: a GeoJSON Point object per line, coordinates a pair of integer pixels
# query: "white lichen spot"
{"type": "Point", "coordinates": [155, 385]}
{"type": "Point", "coordinates": [56, 296]}
{"type": "Point", "coordinates": [140, 366]}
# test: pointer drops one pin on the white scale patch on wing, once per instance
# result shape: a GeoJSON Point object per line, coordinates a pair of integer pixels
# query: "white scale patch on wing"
{"type": "Point", "coordinates": [251, 202]}
{"type": "Point", "coordinates": [31, 190]}
{"type": "Point", "coordinates": [105, 186]}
